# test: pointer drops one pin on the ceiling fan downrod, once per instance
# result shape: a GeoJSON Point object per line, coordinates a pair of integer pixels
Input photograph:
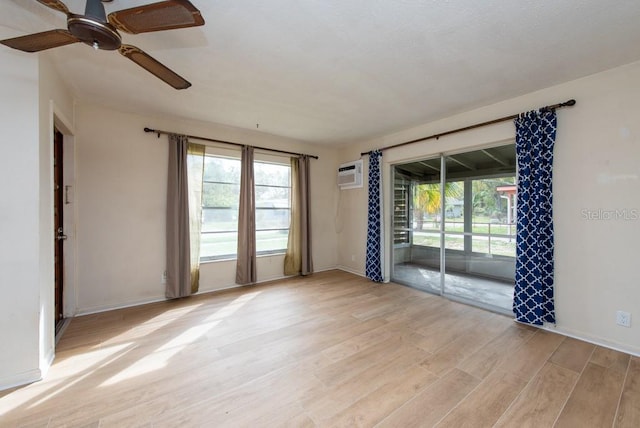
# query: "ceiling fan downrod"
{"type": "Point", "coordinates": [93, 28]}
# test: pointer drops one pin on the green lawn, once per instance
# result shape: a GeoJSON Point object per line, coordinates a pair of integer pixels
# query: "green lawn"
{"type": "Point", "coordinates": [220, 244]}
{"type": "Point", "coordinates": [479, 244]}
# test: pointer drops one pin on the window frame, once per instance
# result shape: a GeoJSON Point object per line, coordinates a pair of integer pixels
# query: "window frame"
{"type": "Point", "coordinates": [273, 160]}
{"type": "Point", "coordinates": [217, 152]}
{"type": "Point", "coordinates": [220, 154]}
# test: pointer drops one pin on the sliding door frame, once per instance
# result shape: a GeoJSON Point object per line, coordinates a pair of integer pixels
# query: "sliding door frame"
{"type": "Point", "coordinates": [442, 227]}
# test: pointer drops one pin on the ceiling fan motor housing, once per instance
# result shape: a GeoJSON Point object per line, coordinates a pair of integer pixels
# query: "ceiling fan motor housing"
{"type": "Point", "coordinates": [93, 28]}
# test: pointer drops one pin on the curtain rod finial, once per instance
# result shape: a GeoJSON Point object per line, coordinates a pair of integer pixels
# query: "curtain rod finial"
{"type": "Point", "coordinates": [152, 130]}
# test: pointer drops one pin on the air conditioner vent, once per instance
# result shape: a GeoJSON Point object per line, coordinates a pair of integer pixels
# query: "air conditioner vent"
{"type": "Point", "coordinates": [350, 175]}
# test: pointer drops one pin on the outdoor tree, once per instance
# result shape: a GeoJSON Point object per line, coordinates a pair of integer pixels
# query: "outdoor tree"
{"type": "Point", "coordinates": [427, 199]}
{"type": "Point", "coordinates": [487, 200]}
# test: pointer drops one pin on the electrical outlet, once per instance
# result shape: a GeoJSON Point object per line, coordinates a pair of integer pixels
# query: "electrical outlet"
{"type": "Point", "coordinates": [163, 278]}
{"type": "Point", "coordinates": [623, 318]}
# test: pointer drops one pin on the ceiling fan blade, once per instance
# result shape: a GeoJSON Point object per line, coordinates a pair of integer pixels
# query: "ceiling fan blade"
{"type": "Point", "coordinates": [164, 15]}
{"type": "Point", "coordinates": [57, 5]}
{"type": "Point", "coordinates": [40, 41]}
{"type": "Point", "coordinates": [153, 66]}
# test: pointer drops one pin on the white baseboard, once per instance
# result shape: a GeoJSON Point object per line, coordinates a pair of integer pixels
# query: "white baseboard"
{"type": "Point", "coordinates": [350, 270]}
{"type": "Point", "coordinates": [114, 306]}
{"type": "Point", "coordinates": [594, 340]}
{"type": "Point", "coordinates": [20, 379]}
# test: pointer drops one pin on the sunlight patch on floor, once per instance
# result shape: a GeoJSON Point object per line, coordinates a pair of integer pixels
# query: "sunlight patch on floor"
{"type": "Point", "coordinates": [82, 366]}
{"type": "Point", "coordinates": [151, 325]}
{"type": "Point", "coordinates": [159, 358]}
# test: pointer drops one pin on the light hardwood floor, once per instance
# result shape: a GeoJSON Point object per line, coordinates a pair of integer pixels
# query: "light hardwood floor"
{"type": "Point", "coordinates": [330, 350]}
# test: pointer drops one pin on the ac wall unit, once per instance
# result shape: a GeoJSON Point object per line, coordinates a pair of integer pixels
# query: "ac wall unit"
{"type": "Point", "coordinates": [350, 175]}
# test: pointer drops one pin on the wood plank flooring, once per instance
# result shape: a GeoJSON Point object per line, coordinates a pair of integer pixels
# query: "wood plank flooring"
{"type": "Point", "coordinates": [330, 350]}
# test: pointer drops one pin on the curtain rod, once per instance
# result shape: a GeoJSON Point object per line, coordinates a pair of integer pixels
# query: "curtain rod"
{"type": "Point", "coordinates": [194, 137]}
{"type": "Point", "coordinates": [477, 125]}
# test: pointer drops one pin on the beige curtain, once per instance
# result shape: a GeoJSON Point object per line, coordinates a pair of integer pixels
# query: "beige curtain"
{"type": "Point", "coordinates": [184, 207]}
{"type": "Point", "coordinates": [298, 259]}
{"type": "Point", "coordinates": [246, 263]}
{"type": "Point", "coordinates": [195, 169]}
{"type": "Point", "coordinates": [293, 256]}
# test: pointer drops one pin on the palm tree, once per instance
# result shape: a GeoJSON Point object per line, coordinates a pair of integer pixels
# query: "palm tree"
{"type": "Point", "coordinates": [427, 198]}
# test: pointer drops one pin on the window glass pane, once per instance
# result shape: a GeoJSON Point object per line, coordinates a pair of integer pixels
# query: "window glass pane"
{"type": "Point", "coordinates": [504, 246]}
{"type": "Point", "coordinates": [272, 197]}
{"type": "Point", "coordinates": [426, 206]}
{"type": "Point", "coordinates": [427, 239]}
{"type": "Point", "coordinates": [271, 174]}
{"type": "Point", "coordinates": [219, 219]}
{"type": "Point", "coordinates": [454, 242]}
{"type": "Point", "coordinates": [480, 244]}
{"type": "Point", "coordinates": [218, 244]}
{"type": "Point", "coordinates": [221, 169]}
{"type": "Point", "coordinates": [219, 195]}
{"type": "Point", "coordinates": [272, 206]}
{"type": "Point", "coordinates": [475, 264]}
{"type": "Point", "coordinates": [272, 240]}
{"type": "Point", "coordinates": [492, 213]}
{"type": "Point", "coordinates": [454, 206]}
{"type": "Point", "coordinates": [417, 220]}
{"type": "Point", "coordinates": [272, 219]}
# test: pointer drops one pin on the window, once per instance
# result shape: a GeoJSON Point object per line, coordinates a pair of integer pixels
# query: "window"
{"type": "Point", "coordinates": [221, 188]}
{"type": "Point", "coordinates": [273, 209]}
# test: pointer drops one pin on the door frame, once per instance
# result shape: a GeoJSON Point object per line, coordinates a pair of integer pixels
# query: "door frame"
{"type": "Point", "coordinates": [57, 120]}
{"type": "Point", "coordinates": [390, 248]}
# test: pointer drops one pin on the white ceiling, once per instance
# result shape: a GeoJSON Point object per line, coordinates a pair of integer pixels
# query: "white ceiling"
{"type": "Point", "coordinates": [337, 71]}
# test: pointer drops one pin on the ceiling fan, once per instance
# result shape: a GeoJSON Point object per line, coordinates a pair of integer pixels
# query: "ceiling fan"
{"type": "Point", "coordinates": [100, 31]}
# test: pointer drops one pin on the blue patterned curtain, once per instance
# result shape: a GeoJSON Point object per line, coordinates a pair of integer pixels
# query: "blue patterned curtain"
{"type": "Point", "coordinates": [373, 268]}
{"type": "Point", "coordinates": [533, 294]}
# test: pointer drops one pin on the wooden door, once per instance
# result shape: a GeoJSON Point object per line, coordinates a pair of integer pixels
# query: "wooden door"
{"type": "Point", "coordinates": [58, 235]}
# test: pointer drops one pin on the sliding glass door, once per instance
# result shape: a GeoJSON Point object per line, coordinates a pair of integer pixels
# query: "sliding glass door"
{"type": "Point", "coordinates": [417, 222]}
{"type": "Point", "coordinates": [460, 241]}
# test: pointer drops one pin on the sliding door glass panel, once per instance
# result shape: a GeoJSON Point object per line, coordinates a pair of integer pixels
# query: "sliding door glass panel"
{"type": "Point", "coordinates": [416, 224]}
{"type": "Point", "coordinates": [479, 232]}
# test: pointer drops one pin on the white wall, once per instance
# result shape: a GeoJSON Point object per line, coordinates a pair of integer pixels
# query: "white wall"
{"type": "Point", "coordinates": [55, 105]}
{"type": "Point", "coordinates": [30, 88]}
{"type": "Point", "coordinates": [121, 197]}
{"type": "Point", "coordinates": [596, 167]}
{"type": "Point", "coordinates": [19, 221]}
